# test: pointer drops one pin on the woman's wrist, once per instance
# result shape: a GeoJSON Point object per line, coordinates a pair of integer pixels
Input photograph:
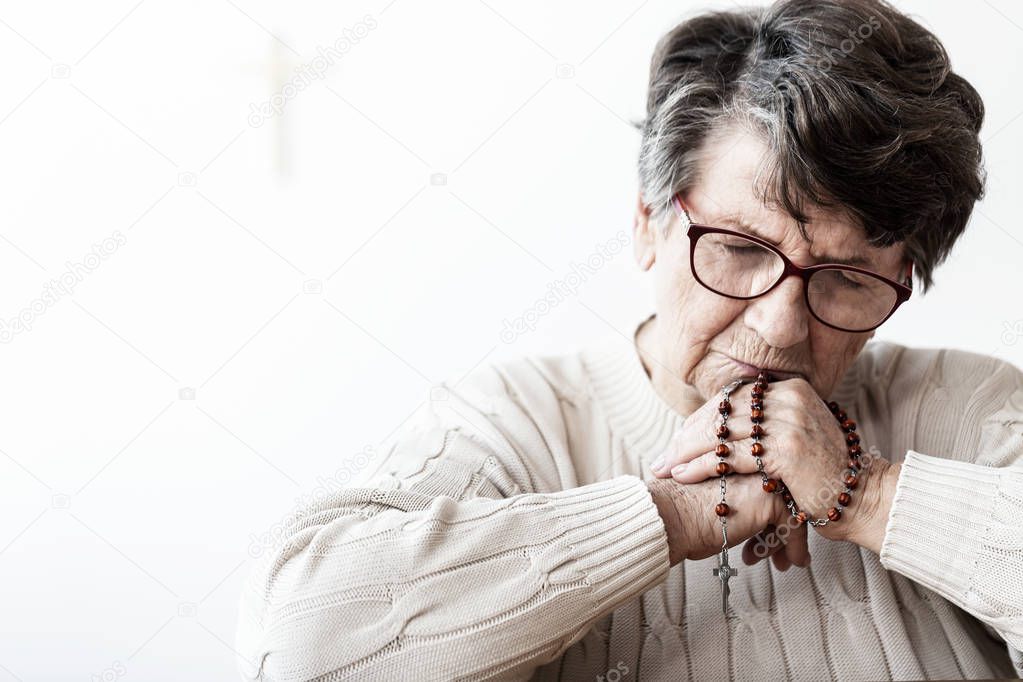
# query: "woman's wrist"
{"type": "Point", "coordinates": [666, 496]}
{"type": "Point", "coordinates": [876, 504]}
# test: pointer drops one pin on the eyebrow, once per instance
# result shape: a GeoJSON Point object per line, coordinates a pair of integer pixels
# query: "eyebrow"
{"type": "Point", "coordinates": [742, 226]}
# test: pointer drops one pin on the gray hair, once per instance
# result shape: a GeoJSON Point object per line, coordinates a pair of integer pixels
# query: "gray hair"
{"type": "Point", "coordinates": [856, 101]}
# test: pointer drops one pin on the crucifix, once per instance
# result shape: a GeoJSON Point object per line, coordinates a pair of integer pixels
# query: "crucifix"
{"type": "Point", "coordinates": [724, 572]}
{"type": "Point", "coordinates": [278, 69]}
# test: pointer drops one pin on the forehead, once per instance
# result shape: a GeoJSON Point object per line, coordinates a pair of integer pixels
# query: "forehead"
{"type": "Point", "coordinates": [733, 164]}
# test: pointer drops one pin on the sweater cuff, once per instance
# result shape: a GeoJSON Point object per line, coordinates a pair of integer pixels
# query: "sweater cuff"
{"type": "Point", "coordinates": [939, 518]}
{"type": "Point", "coordinates": [616, 536]}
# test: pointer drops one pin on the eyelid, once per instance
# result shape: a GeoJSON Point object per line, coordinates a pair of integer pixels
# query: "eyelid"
{"type": "Point", "coordinates": [821, 261]}
{"type": "Point", "coordinates": [739, 226]}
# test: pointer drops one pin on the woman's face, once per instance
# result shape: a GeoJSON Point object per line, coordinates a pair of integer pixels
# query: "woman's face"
{"type": "Point", "coordinates": [699, 336]}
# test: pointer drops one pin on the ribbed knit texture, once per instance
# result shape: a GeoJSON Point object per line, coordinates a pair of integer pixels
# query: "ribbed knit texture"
{"type": "Point", "coordinates": [509, 534]}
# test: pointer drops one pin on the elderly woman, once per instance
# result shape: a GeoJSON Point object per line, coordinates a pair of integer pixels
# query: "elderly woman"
{"type": "Point", "coordinates": [634, 509]}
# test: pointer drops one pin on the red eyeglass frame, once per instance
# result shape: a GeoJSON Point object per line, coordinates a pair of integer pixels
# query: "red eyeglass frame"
{"type": "Point", "coordinates": [903, 291]}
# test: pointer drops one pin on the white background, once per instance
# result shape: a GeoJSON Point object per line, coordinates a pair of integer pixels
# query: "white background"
{"type": "Point", "coordinates": [287, 294]}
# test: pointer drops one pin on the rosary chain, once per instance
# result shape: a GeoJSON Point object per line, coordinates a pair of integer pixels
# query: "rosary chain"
{"type": "Point", "coordinates": [770, 485]}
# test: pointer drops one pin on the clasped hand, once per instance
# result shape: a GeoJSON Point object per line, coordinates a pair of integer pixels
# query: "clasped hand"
{"type": "Point", "coordinates": [804, 446]}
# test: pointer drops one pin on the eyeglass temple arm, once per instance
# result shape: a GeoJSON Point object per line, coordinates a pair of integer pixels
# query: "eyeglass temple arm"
{"type": "Point", "coordinates": [680, 209]}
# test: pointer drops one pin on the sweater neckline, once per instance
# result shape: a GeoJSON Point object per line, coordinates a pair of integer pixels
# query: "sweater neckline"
{"type": "Point", "coordinates": [636, 412]}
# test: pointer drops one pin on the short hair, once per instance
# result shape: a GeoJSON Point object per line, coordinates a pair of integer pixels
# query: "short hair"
{"type": "Point", "coordinates": [857, 102]}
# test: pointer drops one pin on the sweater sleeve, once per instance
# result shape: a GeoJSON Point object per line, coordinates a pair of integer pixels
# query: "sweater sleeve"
{"type": "Point", "coordinates": [465, 557]}
{"type": "Point", "coordinates": [956, 522]}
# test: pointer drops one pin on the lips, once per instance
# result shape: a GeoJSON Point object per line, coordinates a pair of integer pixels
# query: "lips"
{"type": "Point", "coordinates": [746, 369]}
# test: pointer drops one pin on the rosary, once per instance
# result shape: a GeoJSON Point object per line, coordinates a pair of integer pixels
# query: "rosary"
{"type": "Point", "coordinates": [770, 485]}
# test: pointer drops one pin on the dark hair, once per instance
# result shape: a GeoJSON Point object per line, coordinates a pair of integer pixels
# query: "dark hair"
{"type": "Point", "coordinates": [857, 102]}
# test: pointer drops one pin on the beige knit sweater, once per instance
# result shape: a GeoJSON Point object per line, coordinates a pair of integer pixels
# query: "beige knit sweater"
{"type": "Point", "coordinates": [509, 534]}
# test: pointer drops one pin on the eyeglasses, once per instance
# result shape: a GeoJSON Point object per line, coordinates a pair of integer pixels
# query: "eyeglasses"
{"type": "Point", "coordinates": [742, 266]}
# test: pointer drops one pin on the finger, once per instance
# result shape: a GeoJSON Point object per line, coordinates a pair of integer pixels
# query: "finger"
{"type": "Point", "coordinates": [740, 439]}
{"type": "Point", "coordinates": [739, 461]}
{"type": "Point", "coordinates": [781, 561]}
{"type": "Point", "coordinates": [797, 547]}
{"type": "Point", "coordinates": [761, 546]}
{"type": "Point", "coordinates": [791, 536]}
{"type": "Point", "coordinates": [699, 432]}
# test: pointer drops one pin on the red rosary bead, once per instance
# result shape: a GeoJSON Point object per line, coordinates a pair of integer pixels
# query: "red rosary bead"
{"type": "Point", "coordinates": [722, 450]}
{"type": "Point", "coordinates": [721, 509]}
{"type": "Point", "coordinates": [844, 499]}
{"type": "Point", "coordinates": [834, 514]}
{"type": "Point", "coordinates": [756, 415]}
{"type": "Point", "coordinates": [770, 485]}
{"type": "Point", "coordinates": [757, 449]}
{"type": "Point", "coordinates": [851, 481]}
{"type": "Point", "coordinates": [801, 517]}
{"type": "Point", "coordinates": [855, 449]}
{"type": "Point", "coordinates": [723, 468]}
{"type": "Point", "coordinates": [723, 431]}
{"type": "Point", "coordinates": [724, 407]}
{"type": "Point", "coordinates": [757, 431]}
{"type": "Point", "coordinates": [852, 439]}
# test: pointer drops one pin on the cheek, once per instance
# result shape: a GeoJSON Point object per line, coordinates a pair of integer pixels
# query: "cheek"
{"type": "Point", "coordinates": [833, 353]}
{"type": "Point", "coordinates": [692, 317]}
{"type": "Point", "coordinates": [700, 314]}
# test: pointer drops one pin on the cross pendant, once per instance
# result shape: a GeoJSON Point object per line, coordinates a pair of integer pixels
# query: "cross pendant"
{"type": "Point", "coordinates": [724, 572]}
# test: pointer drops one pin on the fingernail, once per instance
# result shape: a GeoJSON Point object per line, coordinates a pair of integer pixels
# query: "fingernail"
{"type": "Point", "coordinates": [658, 464]}
{"type": "Point", "coordinates": [679, 470]}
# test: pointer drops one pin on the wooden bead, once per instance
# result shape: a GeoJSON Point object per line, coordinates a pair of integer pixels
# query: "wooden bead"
{"type": "Point", "coordinates": [757, 431]}
{"type": "Point", "coordinates": [721, 509]}
{"type": "Point", "coordinates": [756, 416]}
{"type": "Point", "coordinates": [834, 514]}
{"type": "Point", "coordinates": [770, 485]}
{"type": "Point", "coordinates": [757, 449]}
{"type": "Point", "coordinates": [844, 499]}
{"type": "Point", "coordinates": [849, 425]}
{"type": "Point", "coordinates": [852, 438]}
{"type": "Point", "coordinates": [851, 481]}
{"type": "Point", "coordinates": [723, 431]}
{"type": "Point", "coordinates": [723, 468]}
{"type": "Point", "coordinates": [725, 407]}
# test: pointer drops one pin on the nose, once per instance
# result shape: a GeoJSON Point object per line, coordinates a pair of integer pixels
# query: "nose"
{"type": "Point", "coordinates": [780, 316]}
